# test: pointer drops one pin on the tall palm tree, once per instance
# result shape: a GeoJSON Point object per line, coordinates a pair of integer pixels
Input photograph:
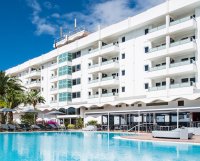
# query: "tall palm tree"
{"type": "Point", "coordinates": [33, 98]}
{"type": "Point", "coordinates": [10, 91]}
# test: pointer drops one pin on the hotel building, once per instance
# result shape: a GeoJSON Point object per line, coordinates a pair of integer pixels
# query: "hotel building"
{"type": "Point", "coordinates": [144, 69]}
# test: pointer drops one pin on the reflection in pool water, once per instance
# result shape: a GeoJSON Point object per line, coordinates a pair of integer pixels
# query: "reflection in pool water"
{"type": "Point", "coordinates": [89, 146]}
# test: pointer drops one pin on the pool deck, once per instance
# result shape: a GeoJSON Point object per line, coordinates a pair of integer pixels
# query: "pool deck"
{"type": "Point", "coordinates": [148, 137]}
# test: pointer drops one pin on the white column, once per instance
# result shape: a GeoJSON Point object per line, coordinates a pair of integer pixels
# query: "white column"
{"type": "Point", "coordinates": [167, 83]}
{"type": "Point", "coordinates": [108, 122]}
{"type": "Point", "coordinates": [177, 121]}
{"type": "Point", "coordinates": [100, 44]}
{"type": "Point", "coordinates": [100, 91]}
{"type": "Point", "coordinates": [138, 121]}
{"type": "Point", "coordinates": [154, 118]}
{"type": "Point", "coordinates": [167, 41]}
{"type": "Point", "coordinates": [167, 62]}
{"type": "Point", "coordinates": [100, 76]}
{"type": "Point", "coordinates": [167, 21]}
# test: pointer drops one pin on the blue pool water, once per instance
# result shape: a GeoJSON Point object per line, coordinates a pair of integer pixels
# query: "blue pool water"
{"type": "Point", "coordinates": [89, 146]}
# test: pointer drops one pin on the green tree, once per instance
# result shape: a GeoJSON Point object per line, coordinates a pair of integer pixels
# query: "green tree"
{"type": "Point", "coordinates": [33, 98]}
{"type": "Point", "coordinates": [92, 122]}
{"type": "Point", "coordinates": [79, 123]}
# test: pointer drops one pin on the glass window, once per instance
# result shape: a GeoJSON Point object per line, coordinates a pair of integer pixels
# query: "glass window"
{"type": "Point", "coordinates": [65, 96]}
{"type": "Point", "coordinates": [146, 86]}
{"type": "Point", "coordinates": [123, 39]}
{"type": "Point", "coordinates": [65, 70]}
{"type": "Point", "coordinates": [146, 68]}
{"type": "Point", "coordinates": [123, 89]}
{"type": "Point", "coordinates": [123, 56]}
{"type": "Point", "coordinates": [64, 57]}
{"type": "Point", "coordinates": [65, 83]}
{"type": "Point", "coordinates": [123, 72]}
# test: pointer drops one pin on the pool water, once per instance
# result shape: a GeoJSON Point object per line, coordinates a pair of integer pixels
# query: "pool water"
{"type": "Point", "coordinates": [89, 146]}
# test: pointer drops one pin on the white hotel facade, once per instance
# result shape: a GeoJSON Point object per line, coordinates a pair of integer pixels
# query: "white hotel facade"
{"type": "Point", "coordinates": [143, 69]}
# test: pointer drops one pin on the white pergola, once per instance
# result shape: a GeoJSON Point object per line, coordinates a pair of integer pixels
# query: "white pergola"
{"type": "Point", "coordinates": [177, 110]}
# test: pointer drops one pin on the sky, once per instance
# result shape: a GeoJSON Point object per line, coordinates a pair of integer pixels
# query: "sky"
{"type": "Point", "coordinates": [28, 27]}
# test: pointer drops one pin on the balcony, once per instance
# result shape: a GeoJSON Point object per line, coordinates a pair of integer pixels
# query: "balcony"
{"type": "Point", "coordinates": [109, 94]}
{"type": "Point", "coordinates": [34, 73]}
{"type": "Point", "coordinates": [34, 84]}
{"type": "Point", "coordinates": [111, 64]}
{"type": "Point", "coordinates": [156, 32]}
{"type": "Point", "coordinates": [106, 81]}
{"type": "Point", "coordinates": [182, 46]}
{"type": "Point", "coordinates": [182, 88]}
{"type": "Point", "coordinates": [157, 88]}
{"type": "Point", "coordinates": [110, 48]}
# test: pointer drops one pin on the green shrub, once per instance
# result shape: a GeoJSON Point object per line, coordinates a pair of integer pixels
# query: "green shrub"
{"type": "Point", "coordinates": [71, 126]}
{"type": "Point", "coordinates": [79, 123]}
{"type": "Point", "coordinates": [92, 122]}
{"type": "Point", "coordinates": [28, 118]}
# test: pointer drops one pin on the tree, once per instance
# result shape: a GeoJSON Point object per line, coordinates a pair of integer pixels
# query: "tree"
{"type": "Point", "coordinates": [79, 123]}
{"type": "Point", "coordinates": [33, 98]}
{"type": "Point", "coordinates": [10, 93]}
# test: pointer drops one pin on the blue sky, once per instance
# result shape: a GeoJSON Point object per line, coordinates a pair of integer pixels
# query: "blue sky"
{"type": "Point", "coordinates": [29, 27]}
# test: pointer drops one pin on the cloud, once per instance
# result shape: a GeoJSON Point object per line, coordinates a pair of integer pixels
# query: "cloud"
{"type": "Point", "coordinates": [103, 12]}
{"type": "Point", "coordinates": [43, 26]}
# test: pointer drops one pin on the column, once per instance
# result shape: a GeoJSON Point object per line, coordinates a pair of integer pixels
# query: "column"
{"type": "Point", "coordinates": [100, 76]}
{"type": "Point", "coordinates": [99, 44]}
{"type": "Point", "coordinates": [100, 91]}
{"type": "Point", "coordinates": [167, 83]}
{"type": "Point", "coordinates": [167, 62]}
{"type": "Point", "coordinates": [138, 121]}
{"type": "Point", "coordinates": [167, 41]}
{"type": "Point", "coordinates": [167, 21]}
{"type": "Point", "coordinates": [177, 119]}
{"type": "Point", "coordinates": [191, 119]}
{"type": "Point", "coordinates": [108, 122]}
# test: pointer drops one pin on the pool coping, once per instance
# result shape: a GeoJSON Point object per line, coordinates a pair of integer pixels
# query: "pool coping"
{"type": "Point", "coordinates": [156, 141]}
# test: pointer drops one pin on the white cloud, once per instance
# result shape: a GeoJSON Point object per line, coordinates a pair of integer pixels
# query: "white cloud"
{"type": "Point", "coordinates": [42, 25]}
{"type": "Point", "coordinates": [105, 12]}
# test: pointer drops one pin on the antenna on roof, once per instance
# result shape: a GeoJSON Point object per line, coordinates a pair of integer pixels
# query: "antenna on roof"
{"type": "Point", "coordinates": [75, 25]}
{"type": "Point", "coordinates": [61, 32]}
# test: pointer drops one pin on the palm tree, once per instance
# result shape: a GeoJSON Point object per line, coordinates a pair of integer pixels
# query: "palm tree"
{"type": "Point", "coordinates": [33, 98]}
{"type": "Point", "coordinates": [10, 92]}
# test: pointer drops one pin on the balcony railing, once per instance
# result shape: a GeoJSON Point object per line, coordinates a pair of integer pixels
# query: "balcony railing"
{"type": "Point", "coordinates": [103, 63]}
{"type": "Point", "coordinates": [103, 47]}
{"type": "Point", "coordinates": [93, 96]}
{"type": "Point", "coordinates": [157, 28]}
{"type": "Point", "coordinates": [182, 63]}
{"type": "Point", "coordinates": [181, 85]}
{"type": "Point", "coordinates": [180, 20]}
{"type": "Point", "coordinates": [157, 48]}
{"type": "Point", "coordinates": [109, 94]}
{"type": "Point", "coordinates": [181, 42]}
{"type": "Point", "coordinates": [54, 89]}
{"type": "Point", "coordinates": [157, 88]}
{"type": "Point", "coordinates": [158, 68]}
{"type": "Point", "coordinates": [104, 79]}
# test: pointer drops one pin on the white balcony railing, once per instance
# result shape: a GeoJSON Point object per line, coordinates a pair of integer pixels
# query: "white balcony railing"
{"type": "Point", "coordinates": [180, 20]}
{"type": "Point", "coordinates": [103, 47]}
{"type": "Point", "coordinates": [157, 88]}
{"type": "Point", "coordinates": [157, 48]}
{"type": "Point", "coordinates": [182, 63]}
{"type": "Point", "coordinates": [93, 96]}
{"type": "Point", "coordinates": [157, 68]}
{"type": "Point", "coordinates": [157, 28]}
{"type": "Point", "coordinates": [54, 89]}
{"type": "Point", "coordinates": [93, 81]}
{"type": "Point", "coordinates": [103, 63]}
{"type": "Point", "coordinates": [182, 85]}
{"type": "Point", "coordinates": [104, 79]}
{"type": "Point", "coordinates": [109, 94]}
{"type": "Point", "coordinates": [181, 42]}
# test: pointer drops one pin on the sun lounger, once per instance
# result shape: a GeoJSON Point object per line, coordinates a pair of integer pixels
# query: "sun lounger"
{"type": "Point", "coordinates": [35, 127]}
{"type": "Point", "coordinates": [90, 128]}
{"type": "Point", "coordinates": [174, 134]}
{"type": "Point", "coordinates": [4, 127]}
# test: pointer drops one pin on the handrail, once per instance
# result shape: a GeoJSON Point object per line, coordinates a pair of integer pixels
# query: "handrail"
{"type": "Point", "coordinates": [139, 125]}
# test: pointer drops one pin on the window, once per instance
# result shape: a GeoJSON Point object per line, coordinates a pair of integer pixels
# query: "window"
{"type": "Point", "coordinates": [158, 84]}
{"type": "Point", "coordinates": [64, 70]}
{"type": "Point", "coordinates": [164, 83]}
{"type": "Point", "coordinates": [123, 39]}
{"type": "Point", "coordinates": [139, 105]}
{"type": "Point", "coordinates": [146, 31]}
{"type": "Point", "coordinates": [64, 57]}
{"type": "Point", "coordinates": [192, 80]}
{"type": "Point", "coordinates": [65, 96]}
{"type": "Point", "coordinates": [146, 49]}
{"type": "Point", "coordinates": [65, 83]}
{"type": "Point", "coordinates": [123, 72]}
{"type": "Point", "coordinates": [123, 56]}
{"type": "Point", "coordinates": [76, 68]}
{"type": "Point", "coordinates": [146, 68]}
{"type": "Point", "coordinates": [184, 59]}
{"type": "Point", "coordinates": [157, 104]}
{"type": "Point", "coordinates": [76, 94]}
{"type": "Point", "coordinates": [76, 55]}
{"type": "Point", "coordinates": [146, 86]}
{"type": "Point", "coordinates": [180, 103]}
{"type": "Point", "coordinates": [123, 89]}
{"type": "Point", "coordinates": [76, 81]}
{"type": "Point", "coordinates": [184, 80]}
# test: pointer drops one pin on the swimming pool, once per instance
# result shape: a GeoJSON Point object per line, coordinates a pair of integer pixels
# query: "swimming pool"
{"type": "Point", "coordinates": [89, 146]}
